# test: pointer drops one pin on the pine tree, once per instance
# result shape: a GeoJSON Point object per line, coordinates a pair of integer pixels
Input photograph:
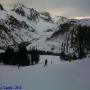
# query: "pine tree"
{"type": "Point", "coordinates": [8, 56]}
{"type": "Point", "coordinates": [21, 56]}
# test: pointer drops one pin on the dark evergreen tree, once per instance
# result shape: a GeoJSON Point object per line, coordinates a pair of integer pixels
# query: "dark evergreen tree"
{"type": "Point", "coordinates": [62, 55]}
{"type": "Point", "coordinates": [21, 56]}
{"type": "Point", "coordinates": [74, 57]}
{"type": "Point", "coordinates": [34, 56]}
{"type": "Point", "coordinates": [80, 44]}
{"type": "Point", "coordinates": [81, 40]}
{"type": "Point", "coordinates": [1, 57]}
{"type": "Point", "coordinates": [8, 56]}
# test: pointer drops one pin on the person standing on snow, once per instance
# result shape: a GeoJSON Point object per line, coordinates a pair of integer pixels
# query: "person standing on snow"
{"type": "Point", "coordinates": [45, 63]}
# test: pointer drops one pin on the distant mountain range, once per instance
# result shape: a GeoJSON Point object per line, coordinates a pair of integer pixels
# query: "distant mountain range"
{"type": "Point", "coordinates": [23, 24]}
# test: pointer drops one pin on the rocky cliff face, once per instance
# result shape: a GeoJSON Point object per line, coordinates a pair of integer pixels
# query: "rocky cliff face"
{"type": "Point", "coordinates": [13, 31]}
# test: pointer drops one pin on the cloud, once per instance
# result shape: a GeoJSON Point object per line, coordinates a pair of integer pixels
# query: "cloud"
{"type": "Point", "coordinates": [68, 8]}
{"type": "Point", "coordinates": [7, 3]}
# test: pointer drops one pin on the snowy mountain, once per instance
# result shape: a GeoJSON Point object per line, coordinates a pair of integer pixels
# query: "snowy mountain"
{"type": "Point", "coordinates": [29, 13]}
{"type": "Point", "coordinates": [60, 19]}
{"type": "Point", "coordinates": [24, 24]}
{"type": "Point", "coordinates": [13, 31]}
{"type": "Point", "coordinates": [67, 26]}
{"type": "Point", "coordinates": [73, 37]}
{"type": "Point", "coordinates": [40, 21]}
{"type": "Point", "coordinates": [44, 31]}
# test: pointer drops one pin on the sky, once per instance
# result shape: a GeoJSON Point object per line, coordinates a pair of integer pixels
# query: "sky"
{"type": "Point", "coordinates": [67, 8]}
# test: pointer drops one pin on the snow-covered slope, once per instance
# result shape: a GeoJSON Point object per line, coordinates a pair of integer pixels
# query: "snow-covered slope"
{"type": "Point", "coordinates": [13, 31]}
{"type": "Point", "coordinates": [60, 19]}
{"type": "Point", "coordinates": [30, 25]}
{"type": "Point", "coordinates": [40, 28]}
{"type": "Point", "coordinates": [23, 24]}
{"type": "Point", "coordinates": [82, 22]}
{"type": "Point", "coordinates": [59, 76]}
{"type": "Point", "coordinates": [39, 21]}
{"type": "Point", "coordinates": [46, 26]}
{"type": "Point", "coordinates": [63, 32]}
{"type": "Point", "coordinates": [63, 29]}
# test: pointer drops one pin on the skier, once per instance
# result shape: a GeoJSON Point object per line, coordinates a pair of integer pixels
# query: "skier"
{"type": "Point", "coordinates": [45, 63]}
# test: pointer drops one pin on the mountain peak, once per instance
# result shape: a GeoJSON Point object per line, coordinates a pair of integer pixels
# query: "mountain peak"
{"type": "Point", "coordinates": [22, 10]}
{"type": "Point", "coordinates": [46, 16]}
{"type": "Point", "coordinates": [59, 19]}
{"type": "Point", "coordinates": [1, 7]}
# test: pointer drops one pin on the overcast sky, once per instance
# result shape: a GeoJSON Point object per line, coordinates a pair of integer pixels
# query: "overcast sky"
{"type": "Point", "coordinates": [68, 8]}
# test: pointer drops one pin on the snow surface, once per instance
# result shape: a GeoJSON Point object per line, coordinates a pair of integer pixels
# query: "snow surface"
{"type": "Point", "coordinates": [56, 76]}
{"type": "Point", "coordinates": [3, 15]}
{"type": "Point", "coordinates": [42, 43]}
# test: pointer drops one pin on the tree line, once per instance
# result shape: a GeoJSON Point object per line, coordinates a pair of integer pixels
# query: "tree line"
{"type": "Point", "coordinates": [79, 41]}
{"type": "Point", "coordinates": [19, 57]}
{"type": "Point", "coordinates": [22, 56]}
